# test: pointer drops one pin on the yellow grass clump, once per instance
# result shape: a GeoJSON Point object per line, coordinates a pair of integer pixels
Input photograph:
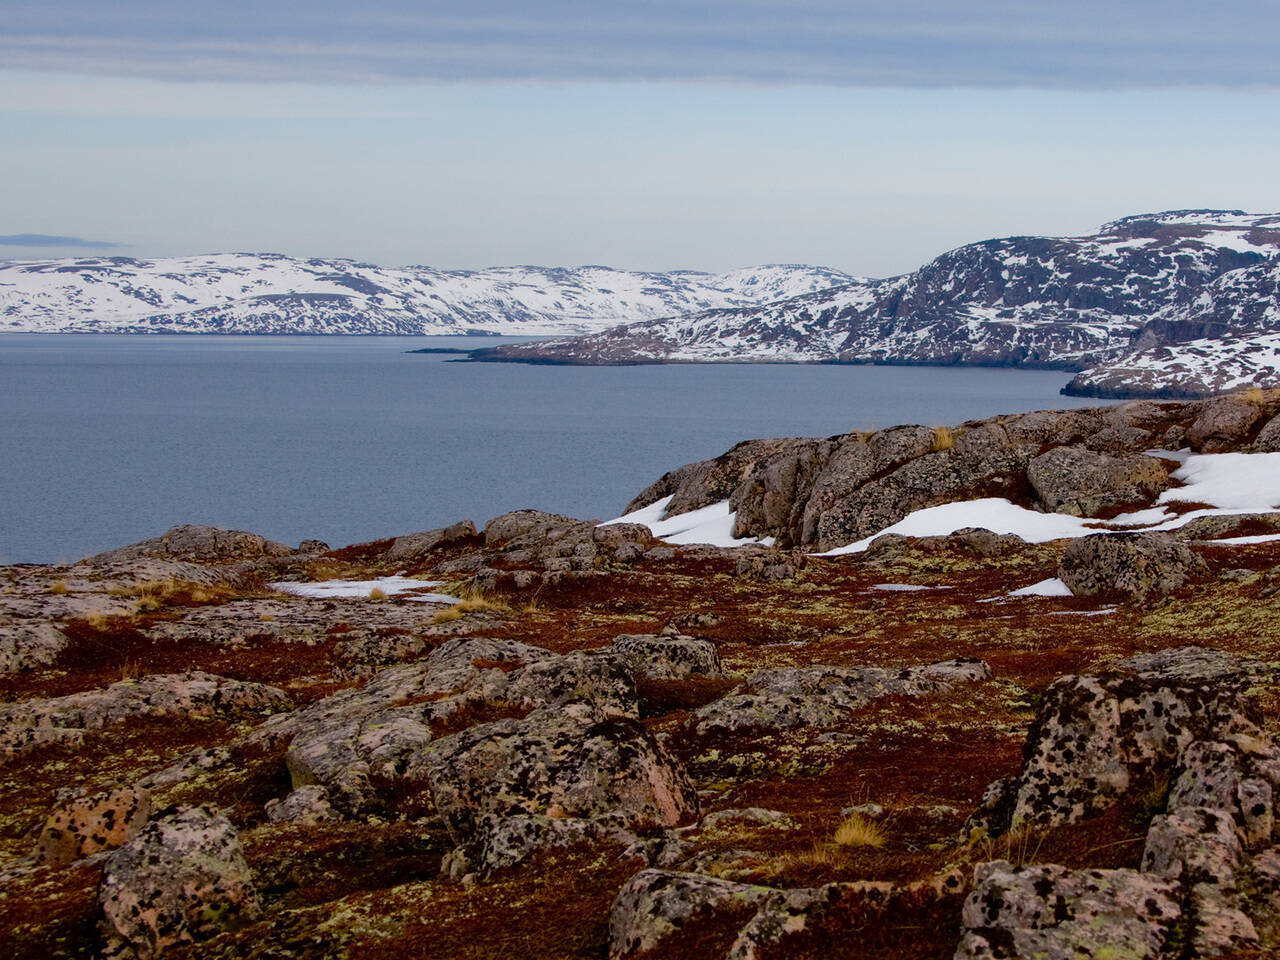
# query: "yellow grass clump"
{"type": "Point", "coordinates": [857, 830]}
{"type": "Point", "coordinates": [377, 593]}
{"type": "Point", "coordinates": [943, 439]}
{"type": "Point", "coordinates": [59, 587]}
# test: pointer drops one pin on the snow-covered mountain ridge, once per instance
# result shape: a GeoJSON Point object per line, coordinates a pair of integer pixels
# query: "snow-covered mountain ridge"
{"type": "Point", "coordinates": [270, 293]}
{"type": "Point", "coordinates": [1055, 302]}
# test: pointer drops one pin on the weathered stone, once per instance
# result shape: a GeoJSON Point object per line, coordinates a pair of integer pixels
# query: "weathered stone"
{"type": "Point", "coordinates": [29, 723]}
{"type": "Point", "coordinates": [360, 744]}
{"type": "Point", "coordinates": [661, 907]}
{"type": "Point", "coordinates": [821, 696]}
{"type": "Point", "coordinates": [1268, 440]}
{"type": "Point", "coordinates": [200, 544]}
{"type": "Point", "coordinates": [1222, 424]}
{"type": "Point", "coordinates": [668, 656]}
{"type": "Point", "coordinates": [502, 842]}
{"type": "Point", "coordinates": [306, 805]}
{"type": "Point", "coordinates": [417, 544]}
{"type": "Point", "coordinates": [26, 645]}
{"type": "Point", "coordinates": [1234, 525]}
{"type": "Point", "coordinates": [1135, 564]}
{"type": "Point", "coordinates": [84, 825]}
{"type": "Point", "coordinates": [564, 762]}
{"type": "Point", "coordinates": [1078, 481]}
{"type": "Point", "coordinates": [1200, 849]}
{"type": "Point", "coordinates": [182, 879]}
{"type": "Point", "coordinates": [1261, 887]}
{"type": "Point", "coordinates": [1052, 913]}
{"type": "Point", "coordinates": [1094, 736]}
{"type": "Point", "coordinates": [1119, 439]}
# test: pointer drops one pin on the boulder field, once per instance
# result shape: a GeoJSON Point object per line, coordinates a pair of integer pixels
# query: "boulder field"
{"type": "Point", "coordinates": [547, 738]}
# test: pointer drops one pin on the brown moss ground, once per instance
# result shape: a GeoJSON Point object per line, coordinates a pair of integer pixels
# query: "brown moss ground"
{"type": "Point", "coordinates": [373, 889]}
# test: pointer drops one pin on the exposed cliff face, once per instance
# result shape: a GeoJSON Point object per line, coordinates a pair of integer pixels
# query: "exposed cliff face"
{"type": "Point", "coordinates": [1063, 303]}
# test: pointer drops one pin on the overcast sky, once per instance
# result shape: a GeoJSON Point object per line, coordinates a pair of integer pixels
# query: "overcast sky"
{"type": "Point", "coordinates": [868, 136]}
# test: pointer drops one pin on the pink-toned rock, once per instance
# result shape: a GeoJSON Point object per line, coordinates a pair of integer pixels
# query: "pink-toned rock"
{"type": "Point", "coordinates": [182, 879]}
{"type": "Point", "coordinates": [85, 825]}
{"type": "Point", "coordinates": [1223, 424]}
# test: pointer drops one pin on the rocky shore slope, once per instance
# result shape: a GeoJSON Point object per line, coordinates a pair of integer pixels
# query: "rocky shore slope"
{"type": "Point", "coordinates": [555, 738]}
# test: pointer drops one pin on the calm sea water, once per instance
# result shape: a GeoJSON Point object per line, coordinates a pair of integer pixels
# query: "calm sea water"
{"type": "Point", "coordinates": [108, 440]}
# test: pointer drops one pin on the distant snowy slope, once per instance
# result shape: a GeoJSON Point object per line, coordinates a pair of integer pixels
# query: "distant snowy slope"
{"type": "Point", "coordinates": [269, 293]}
{"type": "Point", "coordinates": [1065, 302]}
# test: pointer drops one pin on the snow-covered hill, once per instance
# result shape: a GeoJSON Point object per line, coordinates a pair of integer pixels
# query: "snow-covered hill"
{"type": "Point", "coordinates": [1227, 338]}
{"type": "Point", "coordinates": [1023, 301]}
{"type": "Point", "coordinates": [269, 293]}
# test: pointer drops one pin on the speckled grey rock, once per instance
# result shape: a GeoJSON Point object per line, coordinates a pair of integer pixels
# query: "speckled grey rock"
{"type": "Point", "coordinates": [566, 761]}
{"type": "Point", "coordinates": [820, 696]}
{"type": "Point", "coordinates": [1268, 440]}
{"type": "Point", "coordinates": [80, 826]}
{"type": "Point", "coordinates": [360, 743]}
{"type": "Point", "coordinates": [199, 543]}
{"type": "Point", "coordinates": [1200, 849]}
{"type": "Point", "coordinates": [182, 879]}
{"type": "Point", "coordinates": [1096, 734]}
{"type": "Point", "coordinates": [668, 656]}
{"type": "Point", "coordinates": [1222, 424]}
{"type": "Point", "coordinates": [1052, 913]}
{"type": "Point", "coordinates": [28, 644]}
{"type": "Point", "coordinates": [655, 906]}
{"type": "Point", "coordinates": [306, 805]}
{"type": "Point", "coordinates": [1137, 564]}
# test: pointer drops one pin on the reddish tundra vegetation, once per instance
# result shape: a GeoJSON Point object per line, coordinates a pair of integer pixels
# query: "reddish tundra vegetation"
{"type": "Point", "coordinates": [612, 746]}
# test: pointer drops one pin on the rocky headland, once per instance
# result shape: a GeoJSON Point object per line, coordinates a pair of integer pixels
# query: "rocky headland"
{"type": "Point", "coordinates": [554, 738]}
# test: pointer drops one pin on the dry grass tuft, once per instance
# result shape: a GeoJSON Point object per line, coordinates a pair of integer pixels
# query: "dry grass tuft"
{"type": "Point", "coordinates": [377, 593]}
{"type": "Point", "coordinates": [471, 600]}
{"type": "Point", "coordinates": [59, 587]}
{"type": "Point", "coordinates": [130, 670]}
{"type": "Point", "coordinates": [1253, 395]}
{"type": "Point", "coordinates": [858, 830]}
{"type": "Point", "coordinates": [943, 439]}
{"type": "Point", "coordinates": [1020, 846]}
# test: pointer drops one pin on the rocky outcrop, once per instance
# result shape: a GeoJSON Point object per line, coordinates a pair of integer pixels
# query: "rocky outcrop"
{"type": "Point", "coordinates": [1096, 736]}
{"type": "Point", "coordinates": [1052, 913]}
{"type": "Point", "coordinates": [1268, 439]}
{"type": "Point", "coordinates": [28, 724]}
{"type": "Point", "coordinates": [26, 645]}
{"type": "Point", "coordinates": [1128, 564]}
{"type": "Point", "coordinates": [1223, 424]}
{"type": "Point", "coordinates": [199, 544]}
{"type": "Point", "coordinates": [1082, 482]}
{"type": "Point", "coordinates": [668, 656]}
{"type": "Point", "coordinates": [182, 879]}
{"type": "Point", "coordinates": [824, 696]}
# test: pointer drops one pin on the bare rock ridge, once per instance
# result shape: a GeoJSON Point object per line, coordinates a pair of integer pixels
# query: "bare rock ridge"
{"type": "Point", "coordinates": [822, 494]}
{"type": "Point", "coordinates": [1176, 304]}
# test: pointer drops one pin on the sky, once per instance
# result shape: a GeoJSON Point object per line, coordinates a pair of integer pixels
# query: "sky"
{"type": "Point", "coordinates": [867, 136]}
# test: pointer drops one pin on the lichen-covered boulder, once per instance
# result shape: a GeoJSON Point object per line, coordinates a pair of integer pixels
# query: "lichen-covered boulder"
{"type": "Point", "coordinates": [84, 825]}
{"type": "Point", "coordinates": [182, 879]}
{"type": "Point", "coordinates": [359, 744]}
{"type": "Point", "coordinates": [661, 907]}
{"type": "Point", "coordinates": [1133, 564]}
{"type": "Point", "coordinates": [1052, 913]}
{"type": "Point", "coordinates": [1081, 482]}
{"type": "Point", "coordinates": [668, 656]}
{"type": "Point", "coordinates": [824, 696]}
{"type": "Point", "coordinates": [1096, 735]}
{"type": "Point", "coordinates": [566, 761]}
{"type": "Point", "coordinates": [501, 842]}
{"type": "Point", "coordinates": [1199, 848]}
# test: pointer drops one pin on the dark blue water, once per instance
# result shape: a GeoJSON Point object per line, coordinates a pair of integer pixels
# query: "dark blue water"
{"type": "Point", "coordinates": [108, 440]}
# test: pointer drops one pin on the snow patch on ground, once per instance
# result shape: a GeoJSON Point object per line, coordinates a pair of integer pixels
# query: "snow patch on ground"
{"type": "Point", "coordinates": [903, 587]}
{"type": "Point", "coordinates": [1053, 587]}
{"type": "Point", "coordinates": [407, 587]}
{"type": "Point", "coordinates": [711, 525]}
